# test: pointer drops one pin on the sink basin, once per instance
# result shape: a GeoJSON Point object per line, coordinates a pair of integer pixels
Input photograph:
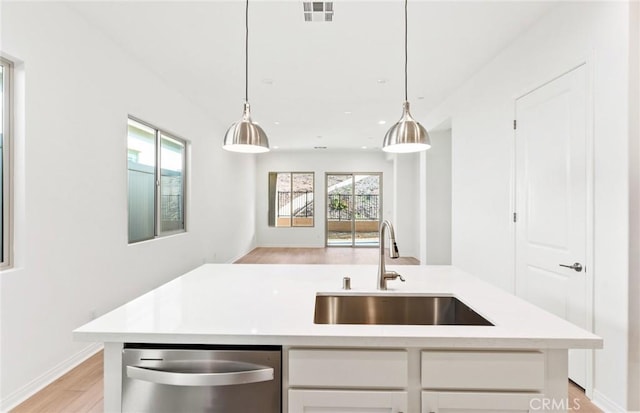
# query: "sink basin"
{"type": "Point", "coordinates": [395, 309]}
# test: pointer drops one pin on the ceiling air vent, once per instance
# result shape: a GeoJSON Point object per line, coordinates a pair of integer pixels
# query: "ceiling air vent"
{"type": "Point", "coordinates": [318, 11]}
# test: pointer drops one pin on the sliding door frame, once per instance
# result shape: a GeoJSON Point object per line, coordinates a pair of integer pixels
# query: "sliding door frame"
{"type": "Point", "coordinates": [353, 219]}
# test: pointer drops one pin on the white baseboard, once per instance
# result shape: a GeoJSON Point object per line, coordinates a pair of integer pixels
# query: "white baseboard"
{"type": "Point", "coordinates": [606, 404]}
{"type": "Point", "coordinates": [232, 260]}
{"type": "Point", "coordinates": [37, 384]}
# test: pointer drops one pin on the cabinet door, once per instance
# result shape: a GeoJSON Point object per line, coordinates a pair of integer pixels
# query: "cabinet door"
{"type": "Point", "coordinates": [478, 402]}
{"type": "Point", "coordinates": [463, 369]}
{"type": "Point", "coordinates": [347, 401]}
{"type": "Point", "coordinates": [353, 369]}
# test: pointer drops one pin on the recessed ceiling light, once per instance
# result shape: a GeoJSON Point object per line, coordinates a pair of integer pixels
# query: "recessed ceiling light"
{"type": "Point", "coordinates": [267, 81]}
{"type": "Point", "coordinates": [276, 147]}
{"type": "Point", "coordinates": [347, 112]}
{"type": "Point", "coordinates": [382, 81]}
{"type": "Point", "coordinates": [276, 123]}
{"type": "Point", "coordinates": [382, 122]}
{"type": "Point", "coordinates": [364, 147]}
{"type": "Point", "coordinates": [319, 147]}
{"type": "Point", "coordinates": [420, 97]}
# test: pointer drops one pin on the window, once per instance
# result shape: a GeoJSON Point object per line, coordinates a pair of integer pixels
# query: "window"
{"type": "Point", "coordinates": [6, 71]}
{"type": "Point", "coordinates": [156, 167]}
{"type": "Point", "coordinates": [291, 199]}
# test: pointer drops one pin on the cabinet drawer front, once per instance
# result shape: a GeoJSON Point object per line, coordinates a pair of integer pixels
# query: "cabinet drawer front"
{"type": "Point", "coordinates": [348, 368]}
{"type": "Point", "coordinates": [443, 402]}
{"type": "Point", "coordinates": [311, 401]}
{"type": "Point", "coordinates": [480, 370]}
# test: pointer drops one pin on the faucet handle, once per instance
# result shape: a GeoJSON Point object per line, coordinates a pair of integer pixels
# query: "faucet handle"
{"type": "Point", "coordinates": [392, 275]}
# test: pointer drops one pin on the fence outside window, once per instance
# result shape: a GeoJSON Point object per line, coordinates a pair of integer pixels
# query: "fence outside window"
{"type": "Point", "coordinates": [291, 199]}
{"type": "Point", "coordinates": [301, 204]}
{"type": "Point", "coordinates": [364, 207]}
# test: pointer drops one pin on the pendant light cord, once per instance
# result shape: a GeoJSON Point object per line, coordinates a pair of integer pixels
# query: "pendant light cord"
{"type": "Point", "coordinates": [405, 50]}
{"type": "Point", "coordinates": [246, 52]}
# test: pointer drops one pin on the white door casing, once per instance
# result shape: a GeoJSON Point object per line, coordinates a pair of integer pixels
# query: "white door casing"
{"type": "Point", "coordinates": [551, 203]}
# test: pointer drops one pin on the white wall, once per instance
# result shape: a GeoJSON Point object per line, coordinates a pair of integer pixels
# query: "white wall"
{"type": "Point", "coordinates": [438, 199]}
{"type": "Point", "coordinates": [319, 162]}
{"type": "Point", "coordinates": [72, 258]}
{"type": "Point", "coordinates": [406, 206]}
{"type": "Point", "coordinates": [634, 208]}
{"type": "Point", "coordinates": [482, 111]}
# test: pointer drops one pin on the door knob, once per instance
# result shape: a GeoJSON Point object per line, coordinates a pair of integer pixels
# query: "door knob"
{"type": "Point", "coordinates": [577, 266]}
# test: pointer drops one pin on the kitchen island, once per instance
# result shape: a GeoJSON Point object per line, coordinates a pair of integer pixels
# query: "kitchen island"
{"type": "Point", "coordinates": [517, 364]}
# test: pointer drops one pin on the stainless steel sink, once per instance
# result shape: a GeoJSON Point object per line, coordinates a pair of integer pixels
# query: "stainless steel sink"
{"type": "Point", "coordinates": [395, 309]}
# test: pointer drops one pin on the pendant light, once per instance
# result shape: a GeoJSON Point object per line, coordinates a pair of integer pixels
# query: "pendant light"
{"type": "Point", "coordinates": [246, 136]}
{"type": "Point", "coordinates": [407, 135]}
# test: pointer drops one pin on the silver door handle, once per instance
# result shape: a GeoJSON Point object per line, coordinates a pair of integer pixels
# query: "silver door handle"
{"type": "Point", "coordinates": [246, 373]}
{"type": "Point", "coordinates": [577, 266]}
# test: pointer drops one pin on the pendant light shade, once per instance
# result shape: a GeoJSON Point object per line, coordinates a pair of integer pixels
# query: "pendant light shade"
{"type": "Point", "coordinates": [407, 135]}
{"type": "Point", "coordinates": [246, 136]}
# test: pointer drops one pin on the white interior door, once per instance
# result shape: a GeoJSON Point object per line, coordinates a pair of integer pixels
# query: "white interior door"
{"type": "Point", "coordinates": [551, 203]}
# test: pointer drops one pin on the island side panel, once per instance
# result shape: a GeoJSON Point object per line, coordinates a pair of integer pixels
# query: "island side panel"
{"type": "Point", "coordinates": [556, 391]}
{"type": "Point", "coordinates": [113, 377]}
{"type": "Point", "coordinates": [285, 378]}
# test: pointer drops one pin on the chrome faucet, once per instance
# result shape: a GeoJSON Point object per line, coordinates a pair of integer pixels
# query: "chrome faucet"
{"type": "Point", "coordinates": [383, 274]}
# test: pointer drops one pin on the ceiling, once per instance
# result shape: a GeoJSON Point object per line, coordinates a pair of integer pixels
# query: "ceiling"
{"type": "Point", "coordinates": [313, 84]}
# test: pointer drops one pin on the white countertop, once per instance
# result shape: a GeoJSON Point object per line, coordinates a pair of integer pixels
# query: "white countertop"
{"type": "Point", "coordinates": [274, 304]}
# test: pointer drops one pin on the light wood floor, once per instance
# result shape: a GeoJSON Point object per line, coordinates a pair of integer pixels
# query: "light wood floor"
{"type": "Point", "coordinates": [78, 391]}
{"type": "Point", "coordinates": [336, 255]}
{"type": "Point", "coordinates": [578, 402]}
{"type": "Point", "coordinates": [81, 389]}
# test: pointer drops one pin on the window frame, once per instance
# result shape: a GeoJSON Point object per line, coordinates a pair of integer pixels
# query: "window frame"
{"type": "Point", "coordinates": [159, 133]}
{"type": "Point", "coordinates": [6, 261]}
{"type": "Point", "coordinates": [272, 208]}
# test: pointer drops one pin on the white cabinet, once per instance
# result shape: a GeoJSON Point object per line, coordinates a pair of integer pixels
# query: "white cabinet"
{"type": "Point", "coordinates": [347, 401]}
{"type": "Point", "coordinates": [478, 402]}
{"type": "Point", "coordinates": [385, 369]}
{"type": "Point", "coordinates": [481, 381]}
{"type": "Point", "coordinates": [347, 381]}
{"type": "Point", "coordinates": [482, 370]}
{"type": "Point", "coordinates": [322, 380]}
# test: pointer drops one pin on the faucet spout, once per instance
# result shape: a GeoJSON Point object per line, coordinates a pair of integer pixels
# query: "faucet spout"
{"type": "Point", "coordinates": [383, 274]}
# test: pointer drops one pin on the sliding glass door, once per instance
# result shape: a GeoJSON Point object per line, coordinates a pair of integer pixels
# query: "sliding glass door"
{"type": "Point", "coordinates": [354, 209]}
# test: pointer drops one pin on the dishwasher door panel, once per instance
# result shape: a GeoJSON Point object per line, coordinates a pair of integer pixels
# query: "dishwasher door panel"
{"type": "Point", "coordinates": [201, 381]}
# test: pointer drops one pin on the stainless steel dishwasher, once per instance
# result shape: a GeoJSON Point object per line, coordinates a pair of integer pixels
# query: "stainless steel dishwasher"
{"type": "Point", "coordinates": [201, 379]}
